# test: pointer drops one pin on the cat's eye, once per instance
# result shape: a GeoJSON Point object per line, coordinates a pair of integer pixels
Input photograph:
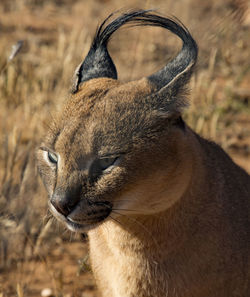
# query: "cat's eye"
{"type": "Point", "coordinates": [106, 162]}
{"type": "Point", "coordinates": [100, 165]}
{"type": "Point", "coordinates": [52, 157]}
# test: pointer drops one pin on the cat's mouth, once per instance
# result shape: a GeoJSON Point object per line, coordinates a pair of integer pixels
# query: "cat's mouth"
{"type": "Point", "coordinates": [83, 221]}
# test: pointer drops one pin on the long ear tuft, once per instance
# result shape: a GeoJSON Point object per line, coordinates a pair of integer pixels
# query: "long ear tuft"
{"type": "Point", "coordinates": [98, 62]}
{"type": "Point", "coordinates": [170, 79]}
{"type": "Point", "coordinates": [178, 71]}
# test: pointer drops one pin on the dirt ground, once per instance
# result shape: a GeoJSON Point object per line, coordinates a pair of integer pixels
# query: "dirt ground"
{"type": "Point", "coordinates": [36, 254]}
{"type": "Point", "coordinates": [62, 272]}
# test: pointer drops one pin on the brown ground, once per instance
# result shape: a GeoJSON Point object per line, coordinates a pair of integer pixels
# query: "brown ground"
{"type": "Point", "coordinates": [62, 271]}
{"type": "Point", "coordinates": [35, 253]}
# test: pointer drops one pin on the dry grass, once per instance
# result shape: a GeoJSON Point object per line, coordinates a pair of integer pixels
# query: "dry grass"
{"type": "Point", "coordinates": [35, 83]}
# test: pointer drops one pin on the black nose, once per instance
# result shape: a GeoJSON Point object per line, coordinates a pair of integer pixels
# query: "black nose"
{"type": "Point", "coordinates": [64, 201]}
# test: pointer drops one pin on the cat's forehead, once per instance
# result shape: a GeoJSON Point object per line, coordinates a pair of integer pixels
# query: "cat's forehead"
{"type": "Point", "coordinates": [104, 92]}
{"type": "Point", "coordinates": [88, 95]}
{"type": "Point", "coordinates": [103, 114]}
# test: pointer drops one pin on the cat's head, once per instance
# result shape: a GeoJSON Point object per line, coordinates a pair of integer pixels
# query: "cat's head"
{"type": "Point", "coordinates": [118, 147]}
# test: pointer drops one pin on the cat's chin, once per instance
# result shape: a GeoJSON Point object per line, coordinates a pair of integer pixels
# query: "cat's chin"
{"type": "Point", "coordinates": [80, 228]}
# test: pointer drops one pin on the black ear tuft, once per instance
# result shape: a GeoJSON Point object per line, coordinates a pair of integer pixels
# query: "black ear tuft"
{"type": "Point", "coordinates": [98, 62]}
{"type": "Point", "coordinates": [169, 79]}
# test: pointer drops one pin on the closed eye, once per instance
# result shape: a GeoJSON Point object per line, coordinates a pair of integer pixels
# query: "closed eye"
{"type": "Point", "coordinates": [99, 166]}
{"type": "Point", "coordinates": [106, 162]}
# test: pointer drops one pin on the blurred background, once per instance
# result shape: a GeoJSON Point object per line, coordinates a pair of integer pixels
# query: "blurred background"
{"type": "Point", "coordinates": [35, 78]}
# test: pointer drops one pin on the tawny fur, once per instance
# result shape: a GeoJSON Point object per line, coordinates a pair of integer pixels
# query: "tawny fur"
{"type": "Point", "coordinates": [198, 248]}
{"type": "Point", "coordinates": [169, 216]}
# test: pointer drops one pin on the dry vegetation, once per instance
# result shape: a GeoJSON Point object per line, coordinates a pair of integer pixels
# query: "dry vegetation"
{"type": "Point", "coordinates": [34, 251]}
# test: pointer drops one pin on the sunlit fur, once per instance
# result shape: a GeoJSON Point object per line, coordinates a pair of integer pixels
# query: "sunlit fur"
{"type": "Point", "coordinates": [170, 217]}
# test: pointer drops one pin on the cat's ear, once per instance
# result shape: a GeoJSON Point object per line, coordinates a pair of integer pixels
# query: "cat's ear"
{"type": "Point", "coordinates": [168, 85]}
{"type": "Point", "coordinates": [98, 62]}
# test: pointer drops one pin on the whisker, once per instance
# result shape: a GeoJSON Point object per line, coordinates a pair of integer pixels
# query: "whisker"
{"type": "Point", "coordinates": [125, 209]}
{"type": "Point", "coordinates": [127, 200]}
{"type": "Point", "coordinates": [142, 226]}
{"type": "Point", "coordinates": [116, 221]}
{"type": "Point", "coordinates": [110, 207]}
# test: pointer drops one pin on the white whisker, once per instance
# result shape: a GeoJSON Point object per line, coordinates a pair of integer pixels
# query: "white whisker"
{"type": "Point", "coordinates": [140, 225]}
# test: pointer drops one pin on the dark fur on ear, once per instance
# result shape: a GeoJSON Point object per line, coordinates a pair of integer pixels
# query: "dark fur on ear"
{"type": "Point", "coordinates": [169, 79]}
{"type": "Point", "coordinates": [98, 62]}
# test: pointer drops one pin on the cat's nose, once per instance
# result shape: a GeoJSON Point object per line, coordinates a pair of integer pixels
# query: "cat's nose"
{"type": "Point", "coordinates": [65, 201]}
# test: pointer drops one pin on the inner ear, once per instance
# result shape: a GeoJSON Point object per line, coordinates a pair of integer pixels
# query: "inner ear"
{"type": "Point", "coordinates": [174, 119]}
